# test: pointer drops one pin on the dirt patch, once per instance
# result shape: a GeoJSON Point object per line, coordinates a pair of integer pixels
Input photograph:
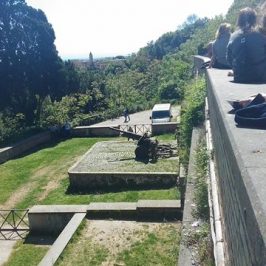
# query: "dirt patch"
{"type": "Point", "coordinates": [51, 185]}
{"type": "Point", "coordinates": [117, 235]}
{"type": "Point", "coordinates": [17, 196]}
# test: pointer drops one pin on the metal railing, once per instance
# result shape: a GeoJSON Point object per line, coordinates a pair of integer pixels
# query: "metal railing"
{"type": "Point", "coordinates": [138, 128]}
{"type": "Point", "coordinates": [13, 224]}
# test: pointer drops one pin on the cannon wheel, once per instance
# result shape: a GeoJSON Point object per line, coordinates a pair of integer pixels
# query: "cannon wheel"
{"type": "Point", "coordinates": [141, 153]}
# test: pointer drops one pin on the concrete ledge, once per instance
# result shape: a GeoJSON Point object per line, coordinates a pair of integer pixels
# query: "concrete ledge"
{"type": "Point", "coordinates": [112, 206]}
{"type": "Point", "coordinates": [158, 204]}
{"type": "Point", "coordinates": [94, 131]}
{"type": "Point", "coordinates": [61, 242]}
{"type": "Point", "coordinates": [114, 210]}
{"type": "Point", "coordinates": [58, 209]}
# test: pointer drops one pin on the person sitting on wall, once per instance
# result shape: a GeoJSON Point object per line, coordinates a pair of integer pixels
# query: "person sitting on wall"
{"type": "Point", "coordinates": [219, 47]}
{"type": "Point", "coordinates": [246, 50]}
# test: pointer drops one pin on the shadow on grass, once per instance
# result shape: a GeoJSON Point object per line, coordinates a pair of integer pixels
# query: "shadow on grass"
{"type": "Point", "coordinates": [37, 239]}
{"type": "Point", "coordinates": [115, 189]}
{"type": "Point", "coordinates": [51, 144]}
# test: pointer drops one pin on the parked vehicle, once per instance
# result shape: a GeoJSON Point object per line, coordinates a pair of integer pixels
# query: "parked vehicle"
{"type": "Point", "coordinates": [161, 113]}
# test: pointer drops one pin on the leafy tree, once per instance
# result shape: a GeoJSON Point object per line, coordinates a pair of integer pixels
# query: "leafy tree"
{"type": "Point", "coordinates": [29, 63]}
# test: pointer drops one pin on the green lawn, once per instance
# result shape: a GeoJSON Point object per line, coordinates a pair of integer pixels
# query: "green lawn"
{"type": "Point", "coordinates": [26, 254]}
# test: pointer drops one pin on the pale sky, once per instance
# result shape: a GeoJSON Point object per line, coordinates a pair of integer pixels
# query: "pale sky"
{"type": "Point", "coordinates": [118, 27]}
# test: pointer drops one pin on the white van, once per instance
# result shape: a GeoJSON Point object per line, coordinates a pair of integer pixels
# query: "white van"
{"type": "Point", "coordinates": [161, 113]}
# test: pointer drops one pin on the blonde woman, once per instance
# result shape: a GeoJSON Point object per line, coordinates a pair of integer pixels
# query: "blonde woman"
{"type": "Point", "coordinates": [219, 47]}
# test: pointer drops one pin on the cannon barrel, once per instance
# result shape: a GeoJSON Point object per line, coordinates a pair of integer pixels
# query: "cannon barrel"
{"type": "Point", "coordinates": [127, 134]}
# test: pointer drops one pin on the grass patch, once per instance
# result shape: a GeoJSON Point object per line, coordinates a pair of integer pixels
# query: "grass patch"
{"type": "Point", "coordinates": [200, 241]}
{"type": "Point", "coordinates": [81, 252]}
{"type": "Point", "coordinates": [125, 243]}
{"type": "Point", "coordinates": [37, 168]}
{"type": "Point", "coordinates": [58, 196]}
{"type": "Point", "coordinates": [192, 115]}
{"type": "Point", "coordinates": [157, 248]}
{"type": "Point", "coordinates": [166, 137]}
{"type": "Point", "coordinates": [201, 186]}
{"type": "Point", "coordinates": [26, 254]}
{"type": "Point", "coordinates": [199, 238]}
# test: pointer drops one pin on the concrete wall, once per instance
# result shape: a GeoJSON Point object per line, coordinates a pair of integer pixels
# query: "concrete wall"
{"type": "Point", "coordinates": [23, 146]}
{"type": "Point", "coordinates": [240, 160]}
{"type": "Point", "coordinates": [162, 128]}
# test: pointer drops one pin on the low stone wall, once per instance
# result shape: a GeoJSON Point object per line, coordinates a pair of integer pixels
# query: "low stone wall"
{"type": "Point", "coordinates": [240, 160]}
{"type": "Point", "coordinates": [94, 131]}
{"type": "Point", "coordinates": [198, 62]}
{"type": "Point", "coordinates": [100, 180]}
{"type": "Point", "coordinates": [23, 146]}
{"type": "Point", "coordinates": [52, 219]}
{"type": "Point", "coordinates": [162, 128]}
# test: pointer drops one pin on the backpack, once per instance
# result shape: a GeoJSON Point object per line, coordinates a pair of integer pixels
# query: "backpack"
{"type": "Point", "coordinates": [241, 62]}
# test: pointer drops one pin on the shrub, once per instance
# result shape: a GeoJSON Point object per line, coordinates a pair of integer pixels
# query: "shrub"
{"type": "Point", "coordinates": [192, 115]}
{"type": "Point", "coordinates": [201, 187]}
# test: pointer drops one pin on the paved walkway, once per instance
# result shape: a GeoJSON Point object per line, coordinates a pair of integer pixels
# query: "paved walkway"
{"type": "Point", "coordinates": [6, 247]}
{"type": "Point", "coordinates": [137, 118]}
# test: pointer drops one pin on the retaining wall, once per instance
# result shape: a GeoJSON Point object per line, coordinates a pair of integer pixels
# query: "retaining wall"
{"type": "Point", "coordinates": [87, 181]}
{"type": "Point", "coordinates": [240, 161]}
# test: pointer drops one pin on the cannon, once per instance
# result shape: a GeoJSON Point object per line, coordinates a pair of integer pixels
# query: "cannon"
{"type": "Point", "coordinates": [146, 147]}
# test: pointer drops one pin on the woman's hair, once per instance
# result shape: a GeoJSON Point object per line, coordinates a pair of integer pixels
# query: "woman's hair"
{"type": "Point", "coordinates": [224, 29]}
{"type": "Point", "coordinates": [247, 18]}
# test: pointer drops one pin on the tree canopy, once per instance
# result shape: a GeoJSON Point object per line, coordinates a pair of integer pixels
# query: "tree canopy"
{"type": "Point", "coordinates": [29, 63]}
